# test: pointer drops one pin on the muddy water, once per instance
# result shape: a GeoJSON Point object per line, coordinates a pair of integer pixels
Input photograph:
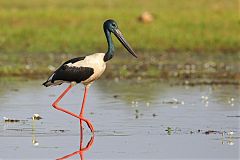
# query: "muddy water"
{"type": "Point", "coordinates": [133, 120]}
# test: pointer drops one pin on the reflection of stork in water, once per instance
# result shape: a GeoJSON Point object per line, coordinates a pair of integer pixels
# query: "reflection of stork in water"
{"type": "Point", "coordinates": [82, 149]}
{"type": "Point", "coordinates": [86, 69]}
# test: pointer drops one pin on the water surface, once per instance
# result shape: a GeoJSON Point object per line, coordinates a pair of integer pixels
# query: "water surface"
{"type": "Point", "coordinates": [133, 120]}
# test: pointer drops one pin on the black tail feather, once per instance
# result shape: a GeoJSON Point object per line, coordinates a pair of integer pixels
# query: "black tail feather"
{"type": "Point", "coordinates": [47, 83]}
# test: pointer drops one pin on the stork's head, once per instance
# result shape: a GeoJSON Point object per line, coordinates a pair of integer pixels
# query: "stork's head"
{"type": "Point", "coordinates": [112, 27]}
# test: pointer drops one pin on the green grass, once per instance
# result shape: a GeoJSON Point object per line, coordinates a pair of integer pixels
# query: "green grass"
{"type": "Point", "coordinates": [43, 26]}
{"type": "Point", "coordinates": [37, 33]}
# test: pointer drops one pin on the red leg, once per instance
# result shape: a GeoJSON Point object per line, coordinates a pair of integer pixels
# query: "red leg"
{"type": "Point", "coordinates": [84, 100]}
{"type": "Point", "coordinates": [81, 134]}
{"type": "Point", "coordinates": [81, 115]}
{"type": "Point", "coordinates": [81, 141]}
{"type": "Point", "coordinates": [83, 104]}
{"type": "Point", "coordinates": [55, 105]}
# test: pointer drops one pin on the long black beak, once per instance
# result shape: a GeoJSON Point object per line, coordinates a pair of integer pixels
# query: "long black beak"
{"type": "Point", "coordinates": [120, 37]}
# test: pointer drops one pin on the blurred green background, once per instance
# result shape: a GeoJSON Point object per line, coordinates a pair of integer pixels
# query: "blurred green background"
{"type": "Point", "coordinates": [38, 35]}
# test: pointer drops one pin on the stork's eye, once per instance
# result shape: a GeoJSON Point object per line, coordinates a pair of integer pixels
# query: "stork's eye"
{"type": "Point", "coordinates": [114, 25]}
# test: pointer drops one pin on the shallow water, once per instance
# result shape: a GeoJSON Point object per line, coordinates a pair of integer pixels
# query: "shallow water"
{"type": "Point", "coordinates": [133, 120]}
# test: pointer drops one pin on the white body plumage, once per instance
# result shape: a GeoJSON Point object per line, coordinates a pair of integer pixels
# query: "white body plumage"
{"type": "Point", "coordinates": [96, 62]}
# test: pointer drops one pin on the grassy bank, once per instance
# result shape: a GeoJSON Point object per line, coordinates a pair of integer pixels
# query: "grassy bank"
{"type": "Point", "coordinates": [179, 66]}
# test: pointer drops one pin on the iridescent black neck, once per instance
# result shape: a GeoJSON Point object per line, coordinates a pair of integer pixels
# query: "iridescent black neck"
{"type": "Point", "coordinates": [109, 54]}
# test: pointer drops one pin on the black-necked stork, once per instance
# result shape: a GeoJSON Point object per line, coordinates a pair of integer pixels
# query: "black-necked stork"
{"type": "Point", "coordinates": [86, 69]}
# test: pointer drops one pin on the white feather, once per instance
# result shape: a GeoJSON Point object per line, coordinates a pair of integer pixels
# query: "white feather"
{"type": "Point", "coordinates": [50, 78]}
{"type": "Point", "coordinates": [94, 61]}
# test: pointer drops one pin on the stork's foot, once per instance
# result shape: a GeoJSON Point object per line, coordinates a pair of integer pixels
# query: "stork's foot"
{"type": "Point", "coordinates": [90, 126]}
{"type": "Point", "coordinates": [81, 118]}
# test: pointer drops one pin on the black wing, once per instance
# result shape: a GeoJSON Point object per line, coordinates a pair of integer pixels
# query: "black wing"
{"type": "Point", "coordinates": [74, 60]}
{"type": "Point", "coordinates": [69, 73]}
{"type": "Point", "coordinates": [77, 74]}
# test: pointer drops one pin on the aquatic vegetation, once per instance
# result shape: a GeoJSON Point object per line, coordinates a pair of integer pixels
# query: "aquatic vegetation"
{"type": "Point", "coordinates": [10, 120]}
{"type": "Point", "coordinates": [36, 117]}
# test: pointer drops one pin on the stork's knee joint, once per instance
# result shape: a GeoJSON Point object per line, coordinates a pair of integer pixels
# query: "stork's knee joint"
{"type": "Point", "coordinates": [54, 105]}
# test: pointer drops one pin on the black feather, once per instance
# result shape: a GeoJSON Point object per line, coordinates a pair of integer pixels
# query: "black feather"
{"type": "Point", "coordinates": [74, 60]}
{"type": "Point", "coordinates": [70, 74]}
